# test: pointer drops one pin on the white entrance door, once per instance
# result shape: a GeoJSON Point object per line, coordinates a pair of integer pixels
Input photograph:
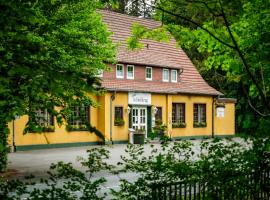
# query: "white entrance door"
{"type": "Point", "coordinates": [139, 118]}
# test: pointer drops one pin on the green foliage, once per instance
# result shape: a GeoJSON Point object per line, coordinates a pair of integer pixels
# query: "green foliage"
{"type": "Point", "coordinates": [119, 122]}
{"type": "Point", "coordinates": [179, 125]}
{"type": "Point", "coordinates": [221, 65]}
{"type": "Point", "coordinates": [64, 182]}
{"type": "Point", "coordinates": [216, 163]}
{"type": "Point", "coordinates": [3, 146]}
{"type": "Point", "coordinates": [140, 32]}
{"type": "Point", "coordinates": [50, 53]}
{"type": "Point", "coordinates": [200, 29]}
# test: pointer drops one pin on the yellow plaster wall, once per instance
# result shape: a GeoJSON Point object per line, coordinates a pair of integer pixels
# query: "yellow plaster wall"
{"type": "Point", "coordinates": [59, 136]}
{"type": "Point", "coordinates": [160, 100]}
{"type": "Point", "coordinates": [100, 117]}
{"type": "Point", "coordinates": [190, 130]}
{"type": "Point", "coordinates": [120, 132]}
{"type": "Point", "coordinates": [103, 115]}
{"type": "Point", "coordinates": [226, 124]}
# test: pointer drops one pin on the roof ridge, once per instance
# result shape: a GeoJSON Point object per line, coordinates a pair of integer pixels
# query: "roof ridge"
{"type": "Point", "coordinates": [130, 16]}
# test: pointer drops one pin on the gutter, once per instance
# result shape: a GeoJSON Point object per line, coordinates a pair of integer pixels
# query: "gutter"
{"type": "Point", "coordinates": [213, 116]}
{"type": "Point", "coordinates": [13, 137]}
{"type": "Point", "coordinates": [111, 100]}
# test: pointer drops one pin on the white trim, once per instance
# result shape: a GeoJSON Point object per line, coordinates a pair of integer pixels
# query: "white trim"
{"type": "Point", "coordinates": [149, 79]}
{"type": "Point", "coordinates": [165, 80]}
{"type": "Point", "coordinates": [122, 70]}
{"type": "Point", "coordinates": [132, 71]}
{"type": "Point", "coordinates": [173, 81]}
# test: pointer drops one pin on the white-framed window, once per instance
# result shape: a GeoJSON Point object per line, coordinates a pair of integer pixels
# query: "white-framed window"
{"type": "Point", "coordinates": [165, 75]}
{"type": "Point", "coordinates": [148, 73]}
{"type": "Point", "coordinates": [119, 71]}
{"type": "Point", "coordinates": [174, 76]}
{"type": "Point", "coordinates": [99, 73]}
{"type": "Point", "coordinates": [130, 71]}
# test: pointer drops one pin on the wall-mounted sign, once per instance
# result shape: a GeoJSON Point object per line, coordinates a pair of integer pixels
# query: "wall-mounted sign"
{"type": "Point", "coordinates": [139, 98]}
{"type": "Point", "coordinates": [220, 111]}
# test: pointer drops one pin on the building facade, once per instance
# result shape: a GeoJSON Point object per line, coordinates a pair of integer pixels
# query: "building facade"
{"type": "Point", "coordinates": [155, 84]}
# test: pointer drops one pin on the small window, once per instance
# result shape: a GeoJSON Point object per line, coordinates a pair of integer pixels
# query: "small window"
{"type": "Point", "coordinates": [165, 75]}
{"type": "Point", "coordinates": [42, 121]}
{"type": "Point", "coordinates": [148, 73]}
{"type": "Point", "coordinates": [158, 116]}
{"type": "Point", "coordinates": [118, 116]}
{"type": "Point", "coordinates": [178, 115]}
{"type": "Point", "coordinates": [130, 72]}
{"type": "Point", "coordinates": [174, 76]}
{"type": "Point", "coordinates": [119, 71]}
{"type": "Point", "coordinates": [80, 117]}
{"type": "Point", "coordinates": [199, 115]}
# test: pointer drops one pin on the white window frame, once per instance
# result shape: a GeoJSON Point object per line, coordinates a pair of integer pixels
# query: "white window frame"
{"type": "Point", "coordinates": [132, 71]}
{"type": "Point", "coordinates": [165, 80]}
{"type": "Point", "coordinates": [172, 71]}
{"type": "Point", "coordinates": [149, 79]}
{"type": "Point", "coordinates": [122, 70]}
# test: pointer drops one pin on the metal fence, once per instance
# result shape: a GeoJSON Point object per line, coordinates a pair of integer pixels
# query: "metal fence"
{"type": "Point", "coordinates": [245, 187]}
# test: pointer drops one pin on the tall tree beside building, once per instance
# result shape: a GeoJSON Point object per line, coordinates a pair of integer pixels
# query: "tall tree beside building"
{"type": "Point", "coordinates": [229, 41]}
{"type": "Point", "coordinates": [138, 8]}
{"type": "Point", "coordinates": [50, 54]}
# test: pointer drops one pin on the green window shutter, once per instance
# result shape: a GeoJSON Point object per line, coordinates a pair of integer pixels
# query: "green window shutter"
{"type": "Point", "coordinates": [130, 118]}
{"type": "Point", "coordinates": [149, 119]}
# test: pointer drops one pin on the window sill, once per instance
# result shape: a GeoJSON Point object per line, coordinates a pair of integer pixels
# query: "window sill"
{"type": "Point", "coordinates": [70, 128]}
{"type": "Point", "coordinates": [179, 126]}
{"type": "Point", "coordinates": [73, 130]}
{"type": "Point", "coordinates": [43, 130]}
{"type": "Point", "coordinates": [199, 125]}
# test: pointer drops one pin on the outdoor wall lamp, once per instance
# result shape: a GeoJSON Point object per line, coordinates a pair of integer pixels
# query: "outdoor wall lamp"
{"type": "Point", "coordinates": [128, 109]}
{"type": "Point", "coordinates": [155, 109]}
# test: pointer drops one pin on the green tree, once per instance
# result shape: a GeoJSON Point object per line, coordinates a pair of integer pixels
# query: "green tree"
{"type": "Point", "coordinates": [229, 42]}
{"type": "Point", "coordinates": [50, 54]}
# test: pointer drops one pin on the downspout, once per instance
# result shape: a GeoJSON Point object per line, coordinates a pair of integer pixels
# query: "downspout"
{"type": "Point", "coordinates": [213, 117]}
{"type": "Point", "coordinates": [13, 137]}
{"type": "Point", "coordinates": [111, 100]}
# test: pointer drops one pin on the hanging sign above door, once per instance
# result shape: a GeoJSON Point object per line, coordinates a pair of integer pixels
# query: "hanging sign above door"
{"type": "Point", "coordinates": [139, 98]}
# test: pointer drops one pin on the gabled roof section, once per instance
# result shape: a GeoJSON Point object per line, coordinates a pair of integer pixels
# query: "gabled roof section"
{"type": "Point", "coordinates": [159, 54]}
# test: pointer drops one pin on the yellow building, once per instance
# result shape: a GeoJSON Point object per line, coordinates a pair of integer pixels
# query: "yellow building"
{"type": "Point", "coordinates": [155, 85]}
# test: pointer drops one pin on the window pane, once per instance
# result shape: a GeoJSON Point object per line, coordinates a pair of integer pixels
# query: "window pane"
{"type": "Point", "coordinates": [118, 112]}
{"type": "Point", "coordinates": [195, 113]}
{"type": "Point", "coordinates": [199, 114]}
{"type": "Point", "coordinates": [43, 118]}
{"type": "Point", "coordinates": [174, 75]}
{"type": "Point", "coordinates": [148, 73]}
{"type": "Point", "coordinates": [165, 75]}
{"type": "Point", "coordinates": [158, 115]}
{"type": "Point", "coordinates": [119, 71]}
{"type": "Point", "coordinates": [80, 115]}
{"type": "Point", "coordinates": [130, 71]}
{"type": "Point", "coordinates": [178, 113]}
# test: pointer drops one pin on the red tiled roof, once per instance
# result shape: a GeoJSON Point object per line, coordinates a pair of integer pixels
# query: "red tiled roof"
{"type": "Point", "coordinates": [160, 54]}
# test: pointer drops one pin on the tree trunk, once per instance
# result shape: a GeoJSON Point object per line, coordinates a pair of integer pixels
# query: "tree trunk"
{"type": "Point", "coordinates": [4, 131]}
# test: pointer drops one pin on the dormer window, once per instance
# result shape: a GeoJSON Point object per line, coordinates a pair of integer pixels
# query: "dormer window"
{"type": "Point", "coordinates": [174, 76]}
{"type": "Point", "coordinates": [148, 73]}
{"type": "Point", "coordinates": [165, 75]}
{"type": "Point", "coordinates": [119, 71]}
{"type": "Point", "coordinates": [130, 72]}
